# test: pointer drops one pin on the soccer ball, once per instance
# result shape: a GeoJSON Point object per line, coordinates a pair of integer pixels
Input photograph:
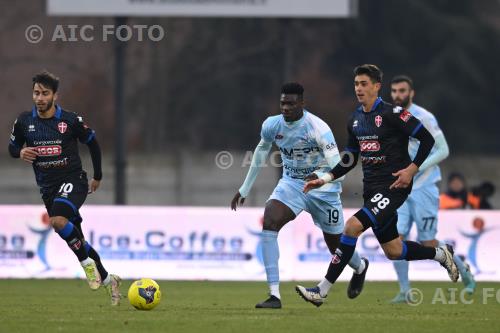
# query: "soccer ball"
{"type": "Point", "coordinates": [144, 294]}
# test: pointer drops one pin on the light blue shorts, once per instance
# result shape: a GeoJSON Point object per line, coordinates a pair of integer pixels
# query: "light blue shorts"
{"type": "Point", "coordinates": [324, 207]}
{"type": "Point", "coordinates": [422, 208]}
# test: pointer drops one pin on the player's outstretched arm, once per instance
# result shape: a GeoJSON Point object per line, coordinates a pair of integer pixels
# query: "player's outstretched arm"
{"type": "Point", "coordinates": [441, 152]}
{"type": "Point", "coordinates": [316, 183]}
{"type": "Point", "coordinates": [258, 160]}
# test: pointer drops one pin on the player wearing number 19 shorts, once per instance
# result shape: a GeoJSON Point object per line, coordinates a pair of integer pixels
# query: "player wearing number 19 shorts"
{"type": "Point", "coordinates": [308, 149]}
{"type": "Point", "coordinates": [47, 138]}
{"type": "Point", "coordinates": [378, 134]}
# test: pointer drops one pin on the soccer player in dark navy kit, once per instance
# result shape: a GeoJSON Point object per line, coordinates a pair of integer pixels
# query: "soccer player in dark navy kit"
{"type": "Point", "coordinates": [47, 138]}
{"type": "Point", "coordinates": [378, 133]}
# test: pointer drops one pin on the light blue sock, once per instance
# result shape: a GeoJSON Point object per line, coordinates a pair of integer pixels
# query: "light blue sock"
{"type": "Point", "coordinates": [460, 264]}
{"type": "Point", "coordinates": [355, 261]}
{"type": "Point", "coordinates": [401, 267]}
{"type": "Point", "coordinates": [271, 254]}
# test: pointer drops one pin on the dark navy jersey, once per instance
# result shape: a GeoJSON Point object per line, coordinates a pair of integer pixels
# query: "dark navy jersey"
{"type": "Point", "coordinates": [55, 140]}
{"type": "Point", "coordinates": [381, 139]}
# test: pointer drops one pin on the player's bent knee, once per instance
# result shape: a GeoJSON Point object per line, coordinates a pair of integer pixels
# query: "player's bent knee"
{"type": "Point", "coordinates": [393, 255]}
{"type": "Point", "coordinates": [58, 222]}
{"type": "Point", "coordinates": [353, 227]}
{"type": "Point", "coordinates": [271, 224]}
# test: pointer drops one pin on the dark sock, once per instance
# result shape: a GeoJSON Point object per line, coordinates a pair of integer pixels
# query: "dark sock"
{"type": "Point", "coordinates": [74, 239]}
{"type": "Point", "coordinates": [95, 256]}
{"type": "Point", "coordinates": [416, 251]}
{"type": "Point", "coordinates": [341, 257]}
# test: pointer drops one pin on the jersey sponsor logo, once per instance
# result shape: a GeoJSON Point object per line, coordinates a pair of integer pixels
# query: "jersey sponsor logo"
{"type": "Point", "coordinates": [62, 127]}
{"type": "Point", "coordinates": [331, 146]}
{"type": "Point", "coordinates": [369, 145]}
{"type": "Point", "coordinates": [373, 159]}
{"type": "Point", "coordinates": [53, 164]}
{"type": "Point", "coordinates": [278, 137]}
{"type": "Point", "coordinates": [49, 150]}
{"type": "Point", "coordinates": [355, 124]}
{"type": "Point", "coordinates": [378, 121]}
{"type": "Point", "coordinates": [397, 109]}
{"type": "Point", "coordinates": [47, 142]}
{"type": "Point", "coordinates": [299, 152]}
{"type": "Point", "coordinates": [405, 116]}
{"type": "Point", "coordinates": [31, 128]}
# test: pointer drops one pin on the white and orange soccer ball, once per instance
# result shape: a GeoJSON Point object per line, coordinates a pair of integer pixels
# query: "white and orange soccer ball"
{"type": "Point", "coordinates": [144, 294]}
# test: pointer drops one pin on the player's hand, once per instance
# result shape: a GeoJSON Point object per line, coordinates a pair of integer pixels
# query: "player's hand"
{"type": "Point", "coordinates": [238, 200]}
{"type": "Point", "coordinates": [28, 154]}
{"type": "Point", "coordinates": [312, 184]}
{"type": "Point", "coordinates": [94, 185]}
{"type": "Point", "coordinates": [405, 176]}
{"type": "Point", "coordinates": [311, 176]}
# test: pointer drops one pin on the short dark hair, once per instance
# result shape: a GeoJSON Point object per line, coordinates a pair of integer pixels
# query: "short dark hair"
{"type": "Point", "coordinates": [373, 72]}
{"type": "Point", "coordinates": [403, 78]}
{"type": "Point", "coordinates": [46, 79]}
{"type": "Point", "coordinates": [293, 88]}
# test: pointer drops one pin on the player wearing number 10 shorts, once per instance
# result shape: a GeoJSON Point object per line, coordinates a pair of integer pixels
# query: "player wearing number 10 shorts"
{"type": "Point", "coordinates": [47, 138]}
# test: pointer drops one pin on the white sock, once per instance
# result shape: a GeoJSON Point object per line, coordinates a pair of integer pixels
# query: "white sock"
{"type": "Point", "coordinates": [361, 267]}
{"type": "Point", "coordinates": [107, 280]}
{"type": "Point", "coordinates": [86, 261]}
{"type": "Point", "coordinates": [274, 289]}
{"type": "Point", "coordinates": [324, 287]}
{"type": "Point", "coordinates": [440, 256]}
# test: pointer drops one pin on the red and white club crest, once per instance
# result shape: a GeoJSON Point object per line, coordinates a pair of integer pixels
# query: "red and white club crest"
{"type": "Point", "coordinates": [378, 121]}
{"type": "Point", "coordinates": [62, 127]}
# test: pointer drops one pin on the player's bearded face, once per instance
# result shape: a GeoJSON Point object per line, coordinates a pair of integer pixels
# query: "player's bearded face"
{"type": "Point", "coordinates": [401, 94]}
{"type": "Point", "coordinates": [43, 98]}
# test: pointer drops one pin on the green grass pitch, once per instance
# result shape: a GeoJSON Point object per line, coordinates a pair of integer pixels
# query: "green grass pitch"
{"type": "Point", "coordinates": [70, 306]}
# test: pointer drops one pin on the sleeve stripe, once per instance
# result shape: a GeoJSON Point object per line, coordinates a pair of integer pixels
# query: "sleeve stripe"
{"type": "Point", "coordinates": [415, 131]}
{"type": "Point", "coordinates": [91, 136]}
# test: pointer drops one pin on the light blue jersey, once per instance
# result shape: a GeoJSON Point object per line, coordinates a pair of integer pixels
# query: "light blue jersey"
{"type": "Point", "coordinates": [306, 145]}
{"type": "Point", "coordinates": [431, 175]}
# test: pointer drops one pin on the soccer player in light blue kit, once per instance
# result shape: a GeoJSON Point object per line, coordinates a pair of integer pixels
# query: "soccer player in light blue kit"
{"type": "Point", "coordinates": [308, 149]}
{"type": "Point", "coordinates": [422, 204]}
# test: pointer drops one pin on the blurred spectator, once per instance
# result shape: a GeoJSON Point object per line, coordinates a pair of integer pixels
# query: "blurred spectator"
{"type": "Point", "coordinates": [455, 196]}
{"type": "Point", "coordinates": [478, 197]}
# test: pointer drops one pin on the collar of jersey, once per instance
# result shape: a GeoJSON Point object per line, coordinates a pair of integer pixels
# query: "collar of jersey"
{"type": "Point", "coordinates": [378, 101]}
{"type": "Point", "coordinates": [57, 115]}
{"type": "Point", "coordinates": [296, 122]}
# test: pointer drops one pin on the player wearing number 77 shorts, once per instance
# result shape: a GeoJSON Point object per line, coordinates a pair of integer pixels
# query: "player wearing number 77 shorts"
{"type": "Point", "coordinates": [378, 132]}
{"type": "Point", "coordinates": [307, 149]}
{"type": "Point", "coordinates": [47, 138]}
